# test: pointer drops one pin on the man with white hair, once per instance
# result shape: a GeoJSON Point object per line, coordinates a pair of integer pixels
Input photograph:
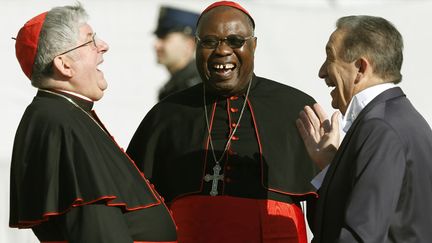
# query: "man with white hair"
{"type": "Point", "coordinates": [70, 182]}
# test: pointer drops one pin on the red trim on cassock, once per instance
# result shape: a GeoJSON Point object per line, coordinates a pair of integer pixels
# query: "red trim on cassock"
{"type": "Point", "coordinates": [228, 108]}
{"type": "Point", "coordinates": [80, 202]}
{"type": "Point", "coordinates": [155, 194]}
{"type": "Point", "coordinates": [262, 166]}
{"type": "Point", "coordinates": [77, 203]}
{"type": "Point", "coordinates": [207, 144]}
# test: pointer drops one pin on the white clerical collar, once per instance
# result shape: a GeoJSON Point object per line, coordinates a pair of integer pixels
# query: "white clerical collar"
{"type": "Point", "coordinates": [360, 100]}
{"type": "Point", "coordinates": [76, 94]}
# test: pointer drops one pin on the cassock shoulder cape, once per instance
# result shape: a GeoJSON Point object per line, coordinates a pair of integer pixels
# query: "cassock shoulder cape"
{"type": "Point", "coordinates": [62, 159]}
{"type": "Point", "coordinates": [170, 143]}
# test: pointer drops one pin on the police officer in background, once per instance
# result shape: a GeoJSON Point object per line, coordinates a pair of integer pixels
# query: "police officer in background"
{"type": "Point", "coordinates": [175, 48]}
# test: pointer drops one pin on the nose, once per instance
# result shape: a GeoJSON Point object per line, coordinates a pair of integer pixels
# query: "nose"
{"type": "Point", "coordinates": [223, 48]}
{"type": "Point", "coordinates": [158, 44]}
{"type": "Point", "coordinates": [102, 46]}
{"type": "Point", "coordinates": [322, 73]}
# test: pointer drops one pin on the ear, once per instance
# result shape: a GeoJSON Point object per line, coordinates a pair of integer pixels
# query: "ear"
{"type": "Point", "coordinates": [191, 42]}
{"type": "Point", "coordinates": [254, 43]}
{"type": "Point", "coordinates": [61, 66]}
{"type": "Point", "coordinates": [363, 68]}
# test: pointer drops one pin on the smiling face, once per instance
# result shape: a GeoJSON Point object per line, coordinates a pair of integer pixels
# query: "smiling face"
{"type": "Point", "coordinates": [338, 73]}
{"type": "Point", "coordinates": [225, 70]}
{"type": "Point", "coordinates": [86, 78]}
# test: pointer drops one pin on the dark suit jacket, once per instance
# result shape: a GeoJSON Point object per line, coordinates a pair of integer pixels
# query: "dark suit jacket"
{"type": "Point", "coordinates": [379, 185]}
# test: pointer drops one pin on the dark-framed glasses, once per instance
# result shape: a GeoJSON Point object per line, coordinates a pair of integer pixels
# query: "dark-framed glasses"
{"type": "Point", "coordinates": [212, 42]}
{"type": "Point", "coordinates": [93, 39]}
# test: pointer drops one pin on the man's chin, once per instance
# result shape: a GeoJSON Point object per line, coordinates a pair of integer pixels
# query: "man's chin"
{"type": "Point", "coordinates": [222, 87]}
{"type": "Point", "coordinates": [334, 104]}
{"type": "Point", "coordinates": [102, 84]}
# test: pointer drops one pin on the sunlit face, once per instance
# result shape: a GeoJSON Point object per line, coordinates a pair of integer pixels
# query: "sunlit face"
{"type": "Point", "coordinates": [225, 70]}
{"type": "Point", "coordinates": [172, 48]}
{"type": "Point", "coordinates": [87, 79]}
{"type": "Point", "coordinates": [338, 74]}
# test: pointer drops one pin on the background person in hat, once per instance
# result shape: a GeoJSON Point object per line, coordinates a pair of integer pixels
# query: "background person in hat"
{"type": "Point", "coordinates": [70, 182]}
{"type": "Point", "coordinates": [175, 48]}
{"type": "Point", "coordinates": [378, 187]}
{"type": "Point", "coordinates": [226, 154]}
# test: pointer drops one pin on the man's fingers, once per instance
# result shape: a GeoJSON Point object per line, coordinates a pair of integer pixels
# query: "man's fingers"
{"type": "Point", "coordinates": [335, 121]}
{"type": "Point", "coordinates": [323, 118]}
{"type": "Point", "coordinates": [322, 115]}
{"type": "Point", "coordinates": [326, 126]}
{"type": "Point", "coordinates": [301, 128]}
{"type": "Point", "coordinates": [313, 118]}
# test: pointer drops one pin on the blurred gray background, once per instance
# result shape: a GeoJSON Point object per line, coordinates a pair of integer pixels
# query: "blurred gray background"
{"type": "Point", "coordinates": [291, 40]}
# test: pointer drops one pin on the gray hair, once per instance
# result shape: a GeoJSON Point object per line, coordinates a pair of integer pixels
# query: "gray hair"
{"type": "Point", "coordinates": [376, 38]}
{"type": "Point", "coordinates": [60, 31]}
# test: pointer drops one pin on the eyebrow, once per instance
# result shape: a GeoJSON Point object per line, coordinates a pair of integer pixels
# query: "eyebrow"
{"type": "Point", "coordinates": [90, 34]}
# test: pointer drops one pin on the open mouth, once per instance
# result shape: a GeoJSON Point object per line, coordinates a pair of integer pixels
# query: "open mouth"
{"type": "Point", "coordinates": [224, 70]}
{"type": "Point", "coordinates": [329, 83]}
{"type": "Point", "coordinates": [97, 66]}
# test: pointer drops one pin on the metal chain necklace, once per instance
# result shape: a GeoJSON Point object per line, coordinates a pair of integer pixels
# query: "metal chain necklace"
{"type": "Point", "coordinates": [217, 168]}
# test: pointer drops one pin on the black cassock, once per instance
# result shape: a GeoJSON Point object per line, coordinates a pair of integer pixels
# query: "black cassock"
{"type": "Point", "coordinates": [71, 182]}
{"type": "Point", "coordinates": [266, 159]}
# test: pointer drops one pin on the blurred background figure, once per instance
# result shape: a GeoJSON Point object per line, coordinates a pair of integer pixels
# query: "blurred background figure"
{"type": "Point", "coordinates": [175, 48]}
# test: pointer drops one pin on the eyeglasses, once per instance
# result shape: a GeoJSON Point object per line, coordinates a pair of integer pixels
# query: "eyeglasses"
{"type": "Point", "coordinates": [212, 42]}
{"type": "Point", "coordinates": [93, 39]}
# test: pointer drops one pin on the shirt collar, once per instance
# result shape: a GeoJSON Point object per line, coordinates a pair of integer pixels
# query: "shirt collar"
{"type": "Point", "coordinates": [82, 101]}
{"type": "Point", "coordinates": [75, 94]}
{"type": "Point", "coordinates": [360, 100]}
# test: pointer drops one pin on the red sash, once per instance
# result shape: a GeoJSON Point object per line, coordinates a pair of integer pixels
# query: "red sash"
{"type": "Point", "coordinates": [232, 220]}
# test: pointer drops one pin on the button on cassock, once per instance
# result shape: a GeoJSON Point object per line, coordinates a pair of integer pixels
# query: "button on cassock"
{"type": "Point", "coordinates": [233, 109]}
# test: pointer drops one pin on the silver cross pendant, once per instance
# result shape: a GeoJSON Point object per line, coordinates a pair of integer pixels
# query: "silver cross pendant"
{"type": "Point", "coordinates": [215, 179]}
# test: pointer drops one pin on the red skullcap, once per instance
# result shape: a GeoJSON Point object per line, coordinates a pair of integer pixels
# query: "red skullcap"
{"type": "Point", "coordinates": [229, 4]}
{"type": "Point", "coordinates": [27, 42]}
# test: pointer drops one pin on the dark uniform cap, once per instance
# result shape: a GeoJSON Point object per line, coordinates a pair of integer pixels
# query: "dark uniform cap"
{"type": "Point", "coordinates": [176, 20]}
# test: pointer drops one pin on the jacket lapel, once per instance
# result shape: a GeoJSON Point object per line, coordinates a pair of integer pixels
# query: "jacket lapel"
{"type": "Point", "coordinates": [383, 97]}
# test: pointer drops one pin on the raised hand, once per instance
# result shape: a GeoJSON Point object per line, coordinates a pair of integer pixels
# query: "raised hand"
{"type": "Point", "coordinates": [320, 136]}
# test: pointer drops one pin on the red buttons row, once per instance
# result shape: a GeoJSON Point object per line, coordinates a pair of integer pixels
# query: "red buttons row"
{"type": "Point", "coordinates": [233, 109]}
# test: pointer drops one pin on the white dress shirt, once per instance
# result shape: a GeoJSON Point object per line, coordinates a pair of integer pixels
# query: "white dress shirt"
{"type": "Point", "coordinates": [356, 105]}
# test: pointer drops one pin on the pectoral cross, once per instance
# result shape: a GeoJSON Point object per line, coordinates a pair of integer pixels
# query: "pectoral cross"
{"type": "Point", "coordinates": [215, 179]}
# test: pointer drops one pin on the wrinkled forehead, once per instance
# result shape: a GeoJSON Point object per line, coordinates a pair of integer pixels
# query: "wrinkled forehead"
{"type": "Point", "coordinates": [335, 40]}
{"type": "Point", "coordinates": [221, 17]}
